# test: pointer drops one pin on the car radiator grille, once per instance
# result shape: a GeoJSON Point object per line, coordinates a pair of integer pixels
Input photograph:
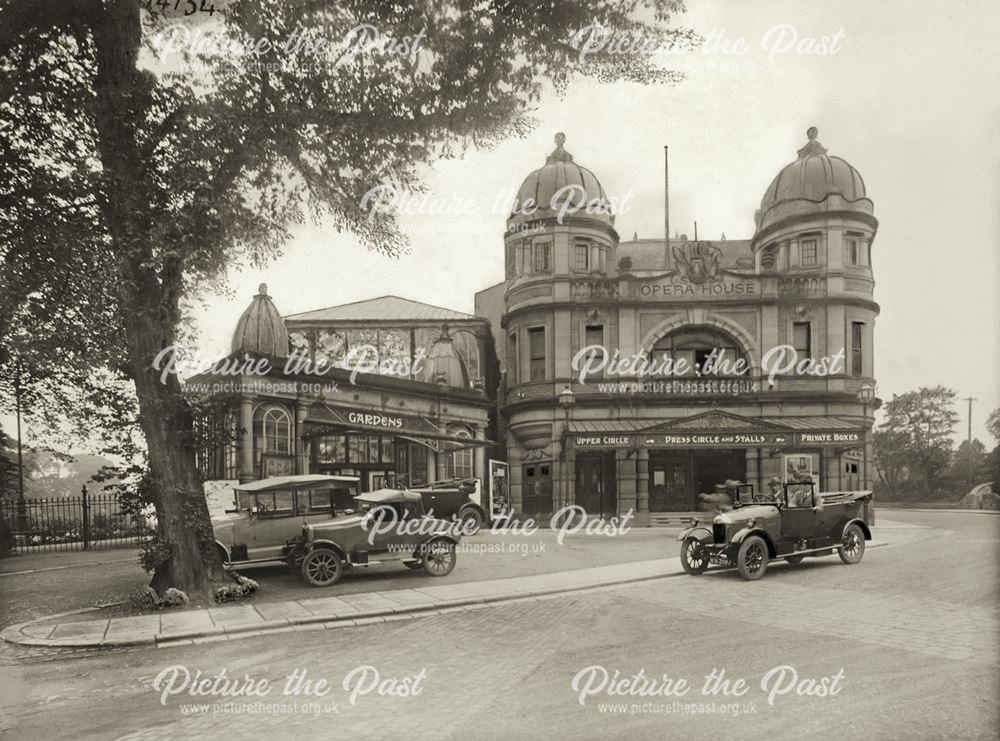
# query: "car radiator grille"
{"type": "Point", "coordinates": [719, 533]}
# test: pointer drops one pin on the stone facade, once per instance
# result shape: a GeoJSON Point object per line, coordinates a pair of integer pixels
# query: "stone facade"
{"type": "Point", "coordinates": [615, 442]}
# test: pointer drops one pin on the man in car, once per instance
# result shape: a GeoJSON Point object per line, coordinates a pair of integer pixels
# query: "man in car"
{"type": "Point", "coordinates": [802, 496]}
{"type": "Point", "coordinates": [774, 488]}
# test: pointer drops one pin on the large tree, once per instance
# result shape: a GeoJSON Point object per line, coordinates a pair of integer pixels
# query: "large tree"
{"type": "Point", "coordinates": [145, 151]}
{"type": "Point", "coordinates": [921, 424]}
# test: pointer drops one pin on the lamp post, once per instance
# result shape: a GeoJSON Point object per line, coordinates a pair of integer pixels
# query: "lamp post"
{"type": "Point", "coordinates": [866, 395]}
{"type": "Point", "coordinates": [567, 400]}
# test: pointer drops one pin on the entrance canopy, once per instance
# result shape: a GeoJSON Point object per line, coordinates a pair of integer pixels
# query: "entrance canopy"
{"type": "Point", "coordinates": [717, 429]}
{"type": "Point", "coordinates": [328, 419]}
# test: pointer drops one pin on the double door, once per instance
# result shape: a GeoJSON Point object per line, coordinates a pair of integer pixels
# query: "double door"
{"type": "Point", "coordinates": [595, 484]}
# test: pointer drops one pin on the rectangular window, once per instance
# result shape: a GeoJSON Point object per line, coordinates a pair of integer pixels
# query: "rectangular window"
{"type": "Point", "coordinates": [857, 348]}
{"type": "Point", "coordinates": [536, 350]}
{"type": "Point", "coordinates": [512, 360]}
{"type": "Point", "coordinates": [851, 253]}
{"type": "Point", "coordinates": [593, 336]}
{"type": "Point", "coordinates": [802, 338]}
{"type": "Point", "coordinates": [809, 252]}
{"type": "Point", "coordinates": [541, 257]}
{"type": "Point", "coordinates": [581, 257]}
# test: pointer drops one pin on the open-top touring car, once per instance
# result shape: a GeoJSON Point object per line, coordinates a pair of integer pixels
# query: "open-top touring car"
{"type": "Point", "coordinates": [795, 524]}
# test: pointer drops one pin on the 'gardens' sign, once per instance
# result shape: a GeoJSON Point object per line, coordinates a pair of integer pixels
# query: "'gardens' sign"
{"type": "Point", "coordinates": [375, 419]}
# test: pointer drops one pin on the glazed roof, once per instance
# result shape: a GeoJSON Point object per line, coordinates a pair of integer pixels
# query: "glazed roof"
{"type": "Point", "coordinates": [383, 308]}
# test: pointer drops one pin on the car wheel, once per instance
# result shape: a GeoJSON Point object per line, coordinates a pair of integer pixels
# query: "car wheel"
{"type": "Point", "coordinates": [472, 521]}
{"type": "Point", "coordinates": [322, 567]}
{"type": "Point", "coordinates": [794, 559]}
{"type": "Point", "coordinates": [439, 557]}
{"type": "Point", "coordinates": [751, 561]}
{"type": "Point", "coordinates": [693, 556]}
{"type": "Point", "coordinates": [852, 544]}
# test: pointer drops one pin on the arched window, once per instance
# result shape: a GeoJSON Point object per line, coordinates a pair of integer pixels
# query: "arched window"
{"type": "Point", "coordinates": [272, 431]}
{"type": "Point", "coordinates": [701, 351]}
{"type": "Point", "coordinates": [460, 463]}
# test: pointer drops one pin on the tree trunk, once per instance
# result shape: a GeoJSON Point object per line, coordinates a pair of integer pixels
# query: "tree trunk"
{"type": "Point", "coordinates": [148, 303]}
{"type": "Point", "coordinates": [183, 520]}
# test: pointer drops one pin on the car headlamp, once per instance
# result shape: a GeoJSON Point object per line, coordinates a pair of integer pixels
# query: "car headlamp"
{"type": "Point", "coordinates": [751, 522]}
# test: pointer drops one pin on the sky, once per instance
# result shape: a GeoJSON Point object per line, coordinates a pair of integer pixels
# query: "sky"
{"type": "Point", "coordinates": [908, 96]}
{"type": "Point", "coordinates": [906, 93]}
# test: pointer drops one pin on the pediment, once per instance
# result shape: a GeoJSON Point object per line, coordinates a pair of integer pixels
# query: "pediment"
{"type": "Point", "coordinates": [716, 420]}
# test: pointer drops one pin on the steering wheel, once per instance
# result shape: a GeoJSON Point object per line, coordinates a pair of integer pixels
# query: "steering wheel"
{"type": "Point", "coordinates": [262, 507]}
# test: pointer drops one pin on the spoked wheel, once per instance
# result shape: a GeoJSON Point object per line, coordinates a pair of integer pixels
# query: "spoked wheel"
{"type": "Point", "coordinates": [322, 567]}
{"type": "Point", "coordinates": [694, 559]}
{"type": "Point", "coordinates": [439, 557]}
{"type": "Point", "coordinates": [751, 561]}
{"type": "Point", "coordinates": [472, 521]}
{"type": "Point", "coordinates": [852, 544]}
{"type": "Point", "coordinates": [794, 559]}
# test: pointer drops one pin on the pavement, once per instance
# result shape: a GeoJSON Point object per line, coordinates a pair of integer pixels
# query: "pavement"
{"type": "Point", "coordinates": [913, 632]}
{"type": "Point", "coordinates": [194, 626]}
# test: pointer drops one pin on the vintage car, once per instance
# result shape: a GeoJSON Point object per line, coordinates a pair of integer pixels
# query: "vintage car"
{"type": "Point", "coordinates": [452, 500]}
{"type": "Point", "coordinates": [761, 528]}
{"type": "Point", "coordinates": [391, 527]}
{"type": "Point", "coordinates": [265, 524]}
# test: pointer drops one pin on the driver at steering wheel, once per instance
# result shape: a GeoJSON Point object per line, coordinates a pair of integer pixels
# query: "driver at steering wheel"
{"type": "Point", "coordinates": [774, 488]}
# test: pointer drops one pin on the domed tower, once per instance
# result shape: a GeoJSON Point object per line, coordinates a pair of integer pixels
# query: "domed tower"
{"type": "Point", "coordinates": [261, 330]}
{"type": "Point", "coordinates": [812, 247]}
{"type": "Point", "coordinates": [562, 222]}
{"type": "Point", "coordinates": [558, 297]}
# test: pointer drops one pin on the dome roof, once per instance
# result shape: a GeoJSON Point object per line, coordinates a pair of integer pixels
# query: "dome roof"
{"type": "Point", "coordinates": [561, 186]}
{"type": "Point", "coordinates": [261, 330]}
{"type": "Point", "coordinates": [444, 364]}
{"type": "Point", "coordinates": [804, 186]}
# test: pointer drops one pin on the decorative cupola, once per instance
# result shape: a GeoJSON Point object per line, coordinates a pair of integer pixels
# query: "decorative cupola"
{"type": "Point", "coordinates": [815, 183]}
{"type": "Point", "coordinates": [444, 365]}
{"type": "Point", "coordinates": [546, 191]}
{"type": "Point", "coordinates": [261, 330]}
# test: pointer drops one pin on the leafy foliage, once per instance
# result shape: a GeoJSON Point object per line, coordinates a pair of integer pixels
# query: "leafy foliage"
{"type": "Point", "coordinates": [137, 173]}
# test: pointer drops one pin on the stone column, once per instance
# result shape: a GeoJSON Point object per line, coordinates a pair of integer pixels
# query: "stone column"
{"type": "Point", "coordinates": [642, 480]}
{"type": "Point", "coordinates": [246, 472]}
{"type": "Point", "coordinates": [301, 414]}
{"type": "Point", "coordinates": [626, 479]}
{"type": "Point", "coordinates": [753, 472]}
{"type": "Point", "coordinates": [479, 459]}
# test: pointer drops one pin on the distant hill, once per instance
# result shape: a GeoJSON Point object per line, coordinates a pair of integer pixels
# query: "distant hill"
{"type": "Point", "coordinates": [54, 477]}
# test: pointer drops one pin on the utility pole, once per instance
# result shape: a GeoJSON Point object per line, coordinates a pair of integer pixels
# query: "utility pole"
{"type": "Point", "coordinates": [970, 399]}
{"type": "Point", "coordinates": [666, 207]}
{"type": "Point", "coordinates": [22, 510]}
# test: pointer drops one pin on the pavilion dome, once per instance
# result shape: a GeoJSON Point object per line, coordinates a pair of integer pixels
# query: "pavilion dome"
{"type": "Point", "coordinates": [261, 330]}
{"type": "Point", "coordinates": [804, 187]}
{"type": "Point", "coordinates": [444, 364]}
{"type": "Point", "coordinates": [561, 181]}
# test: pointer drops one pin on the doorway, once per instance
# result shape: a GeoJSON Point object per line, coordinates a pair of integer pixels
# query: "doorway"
{"type": "Point", "coordinates": [536, 489]}
{"type": "Point", "coordinates": [676, 479]}
{"type": "Point", "coordinates": [595, 483]}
